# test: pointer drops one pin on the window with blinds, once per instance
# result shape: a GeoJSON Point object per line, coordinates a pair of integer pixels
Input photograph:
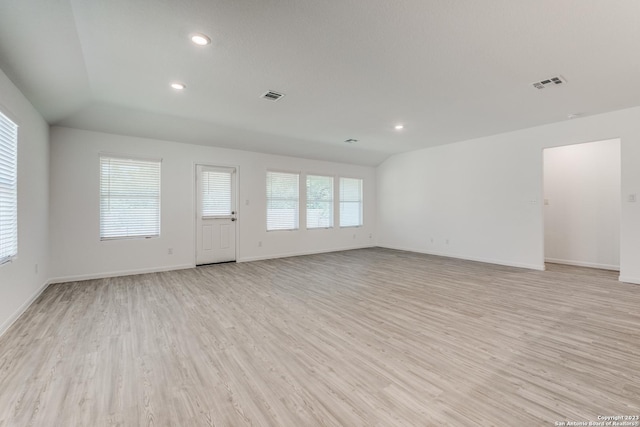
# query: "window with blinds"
{"type": "Point", "coordinates": [282, 201]}
{"type": "Point", "coordinates": [319, 201]}
{"type": "Point", "coordinates": [350, 202]}
{"type": "Point", "coordinates": [8, 189]}
{"type": "Point", "coordinates": [216, 193]}
{"type": "Point", "coordinates": [129, 198]}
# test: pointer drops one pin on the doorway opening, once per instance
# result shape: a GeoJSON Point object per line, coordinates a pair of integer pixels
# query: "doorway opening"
{"type": "Point", "coordinates": [582, 204]}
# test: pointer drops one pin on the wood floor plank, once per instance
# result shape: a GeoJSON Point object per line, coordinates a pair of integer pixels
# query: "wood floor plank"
{"type": "Point", "coordinates": [371, 337]}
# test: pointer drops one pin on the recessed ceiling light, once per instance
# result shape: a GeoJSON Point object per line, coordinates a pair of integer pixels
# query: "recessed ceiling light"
{"type": "Point", "coordinates": [573, 115]}
{"type": "Point", "coordinates": [178, 86]}
{"type": "Point", "coordinates": [399, 127]}
{"type": "Point", "coordinates": [200, 39]}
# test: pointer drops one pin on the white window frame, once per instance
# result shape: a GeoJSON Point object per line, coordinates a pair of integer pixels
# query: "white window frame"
{"type": "Point", "coordinates": [310, 200]}
{"type": "Point", "coordinates": [360, 202]}
{"type": "Point", "coordinates": [271, 198]}
{"type": "Point", "coordinates": [8, 189]}
{"type": "Point", "coordinates": [105, 196]}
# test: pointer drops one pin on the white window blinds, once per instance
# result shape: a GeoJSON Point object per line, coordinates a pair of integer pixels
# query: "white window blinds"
{"type": "Point", "coordinates": [129, 198]}
{"type": "Point", "coordinates": [319, 201]}
{"type": "Point", "coordinates": [216, 193]}
{"type": "Point", "coordinates": [350, 202]}
{"type": "Point", "coordinates": [8, 189]}
{"type": "Point", "coordinates": [282, 201]}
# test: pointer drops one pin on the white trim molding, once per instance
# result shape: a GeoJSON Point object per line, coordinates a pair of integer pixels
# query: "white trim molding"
{"type": "Point", "coordinates": [105, 275]}
{"type": "Point", "coordinates": [583, 264]}
{"type": "Point", "coordinates": [627, 279]}
{"type": "Point", "coordinates": [20, 311]}
{"type": "Point", "coordinates": [468, 258]}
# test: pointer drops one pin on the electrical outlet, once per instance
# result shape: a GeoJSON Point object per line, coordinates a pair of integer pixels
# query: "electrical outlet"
{"type": "Point", "coordinates": [260, 244]}
{"type": "Point", "coordinates": [446, 241]}
{"type": "Point", "coordinates": [170, 251]}
{"type": "Point", "coordinates": [632, 198]}
{"type": "Point", "coordinates": [36, 268]}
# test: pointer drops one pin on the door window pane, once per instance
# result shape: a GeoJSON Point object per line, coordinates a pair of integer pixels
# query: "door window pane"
{"type": "Point", "coordinates": [216, 193]}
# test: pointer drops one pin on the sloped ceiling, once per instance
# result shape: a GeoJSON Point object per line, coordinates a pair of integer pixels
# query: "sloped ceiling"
{"type": "Point", "coordinates": [448, 70]}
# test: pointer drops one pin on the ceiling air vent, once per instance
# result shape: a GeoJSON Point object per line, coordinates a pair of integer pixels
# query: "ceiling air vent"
{"type": "Point", "coordinates": [272, 96]}
{"type": "Point", "coordinates": [551, 81]}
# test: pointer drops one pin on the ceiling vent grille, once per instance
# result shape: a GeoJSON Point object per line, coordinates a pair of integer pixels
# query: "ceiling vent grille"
{"type": "Point", "coordinates": [550, 82]}
{"type": "Point", "coordinates": [272, 96]}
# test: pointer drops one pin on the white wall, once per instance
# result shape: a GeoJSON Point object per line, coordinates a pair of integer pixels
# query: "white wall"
{"type": "Point", "coordinates": [19, 281]}
{"type": "Point", "coordinates": [77, 252]}
{"type": "Point", "coordinates": [582, 204]}
{"type": "Point", "coordinates": [484, 194]}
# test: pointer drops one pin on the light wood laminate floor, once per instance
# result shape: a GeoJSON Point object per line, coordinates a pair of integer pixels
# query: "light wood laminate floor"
{"type": "Point", "coordinates": [366, 337]}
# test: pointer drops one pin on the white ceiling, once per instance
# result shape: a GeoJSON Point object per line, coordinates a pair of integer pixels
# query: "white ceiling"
{"type": "Point", "coordinates": [449, 70]}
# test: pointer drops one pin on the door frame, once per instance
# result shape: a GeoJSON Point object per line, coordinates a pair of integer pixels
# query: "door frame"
{"type": "Point", "coordinates": [542, 198]}
{"type": "Point", "coordinates": [194, 174]}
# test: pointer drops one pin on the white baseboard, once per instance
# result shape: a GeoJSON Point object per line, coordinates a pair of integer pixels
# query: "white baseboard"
{"type": "Point", "coordinates": [301, 253]}
{"type": "Point", "coordinates": [104, 275]}
{"type": "Point", "coordinates": [468, 258]}
{"type": "Point", "coordinates": [627, 279]}
{"type": "Point", "coordinates": [10, 321]}
{"type": "Point", "coordinates": [583, 264]}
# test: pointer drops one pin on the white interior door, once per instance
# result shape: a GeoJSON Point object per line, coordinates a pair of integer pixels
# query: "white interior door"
{"type": "Point", "coordinates": [216, 214]}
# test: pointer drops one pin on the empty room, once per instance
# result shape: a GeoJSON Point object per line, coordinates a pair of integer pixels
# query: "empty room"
{"type": "Point", "coordinates": [305, 213]}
